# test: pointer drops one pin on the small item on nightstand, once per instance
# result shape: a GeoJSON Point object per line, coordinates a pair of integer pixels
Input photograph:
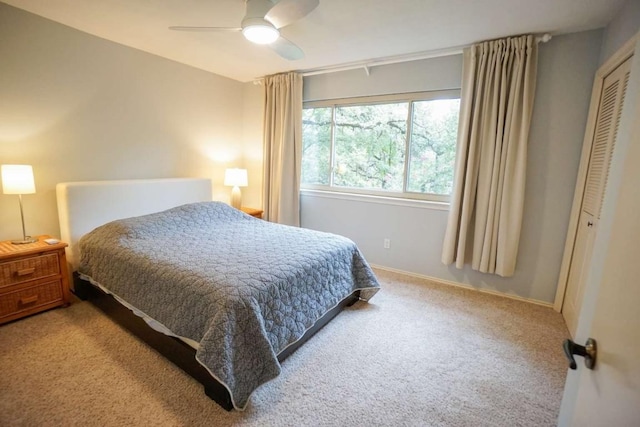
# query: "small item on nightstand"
{"type": "Point", "coordinates": [51, 241]}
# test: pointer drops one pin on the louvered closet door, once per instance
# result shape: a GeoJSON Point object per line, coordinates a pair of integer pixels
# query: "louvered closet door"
{"type": "Point", "coordinates": [603, 144]}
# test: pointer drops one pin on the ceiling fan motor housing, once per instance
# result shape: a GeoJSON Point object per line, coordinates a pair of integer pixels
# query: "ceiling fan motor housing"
{"type": "Point", "coordinates": [255, 27]}
{"type": "Point", "coordinates": [257, 9]}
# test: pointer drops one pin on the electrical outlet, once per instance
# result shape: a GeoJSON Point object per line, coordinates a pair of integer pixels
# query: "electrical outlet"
{"type": "Point", "coordinates": [387, 243]}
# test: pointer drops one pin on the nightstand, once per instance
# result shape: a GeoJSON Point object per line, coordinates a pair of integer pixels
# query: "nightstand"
{"type": "Point", "coordinates": [33, 278]}
{"type": "Point", "coordinates": [257, 213]}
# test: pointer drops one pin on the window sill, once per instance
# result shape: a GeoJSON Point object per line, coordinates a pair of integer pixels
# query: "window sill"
{"type": "Point", "coordinates": [366, 198]}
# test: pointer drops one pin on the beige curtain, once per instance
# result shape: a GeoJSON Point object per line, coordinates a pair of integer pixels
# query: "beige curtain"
{"type": "Point", "coordinates": [485, 216]}
{"type": "Point", "coordinates": [282, 148]}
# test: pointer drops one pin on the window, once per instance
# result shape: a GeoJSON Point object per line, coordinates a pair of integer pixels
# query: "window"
{"type": "Point", "coordinates": [397, 145]}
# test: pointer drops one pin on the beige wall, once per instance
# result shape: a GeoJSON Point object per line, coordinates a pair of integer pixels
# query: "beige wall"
{"type": "Point", "coordinates": [78, 108]}
{"type": "Point", "coordinates": [252, 139]}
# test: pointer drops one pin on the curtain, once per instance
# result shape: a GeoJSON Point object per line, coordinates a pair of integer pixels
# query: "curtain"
{"type": "Point", "coordinates": [282, 148]}
{"type": "Point", "coordinates": [486, 209]}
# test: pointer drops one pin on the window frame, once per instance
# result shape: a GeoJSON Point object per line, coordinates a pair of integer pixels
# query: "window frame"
{"type": "Point", "coordinates": [409, 98]}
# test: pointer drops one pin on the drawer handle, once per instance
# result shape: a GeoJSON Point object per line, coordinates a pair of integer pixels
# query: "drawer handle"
{"type": "Point", "coordinates": [28, 300]}
{"type": "Point", "coordinates": [26, 271]}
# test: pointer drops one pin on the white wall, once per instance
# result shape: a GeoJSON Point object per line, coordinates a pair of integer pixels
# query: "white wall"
{"type": "Point", "coordinates": [624, 25]}
{"type": "Point", "coordinates": [566, 68]}
{"type": "Point", "coordinates": [78, 107]}
{"type": "Point", "coordinates": [415, 76]}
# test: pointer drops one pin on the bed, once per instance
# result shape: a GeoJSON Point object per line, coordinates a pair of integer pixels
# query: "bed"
{"type": "Point", "coordinates": [229, 295]}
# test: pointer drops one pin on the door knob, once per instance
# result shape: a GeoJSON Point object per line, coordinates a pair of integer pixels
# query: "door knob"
{"type": "Point", "coordinates": [589, 224]}
{"type": "Point", "coordinates": [588, 351]}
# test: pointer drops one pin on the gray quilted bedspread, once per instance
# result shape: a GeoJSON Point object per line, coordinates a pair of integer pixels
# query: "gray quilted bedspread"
{"type": "Point", "coordinates": [242, 287]}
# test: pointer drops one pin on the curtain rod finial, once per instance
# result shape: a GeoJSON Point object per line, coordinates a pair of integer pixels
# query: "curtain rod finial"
{"type": "Point", "coordinates": [544, 38]}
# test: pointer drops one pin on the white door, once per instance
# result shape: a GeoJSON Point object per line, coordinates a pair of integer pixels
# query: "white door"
{"type": "Point", "coordinates": [604, 138]}
{"type": "Point", "coordinates": [609, 395]}
{"type": "Point", "coordinates": [579, 268]}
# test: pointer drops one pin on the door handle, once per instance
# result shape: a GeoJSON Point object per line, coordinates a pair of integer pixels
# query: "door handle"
{"type": "Point", "coordinates": [589, 224]}
{"type": "Point", "coordinates": [588, 351]}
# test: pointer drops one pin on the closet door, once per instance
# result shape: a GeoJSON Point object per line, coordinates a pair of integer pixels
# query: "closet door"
{"type": "Point", "coordinates": [603, 144]}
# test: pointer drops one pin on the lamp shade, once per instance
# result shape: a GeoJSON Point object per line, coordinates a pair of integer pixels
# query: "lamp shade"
{"type": "Point", "coordinates": [17, 179]}
{"type": "Point", "coordinates": [235, 177]}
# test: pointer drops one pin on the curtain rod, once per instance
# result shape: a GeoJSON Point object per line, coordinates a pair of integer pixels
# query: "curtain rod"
{"type": "Point", "coordinates": [367, 65]}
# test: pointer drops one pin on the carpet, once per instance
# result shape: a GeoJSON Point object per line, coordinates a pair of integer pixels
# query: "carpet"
{"type": "Point", "coordinates": [419, 354]}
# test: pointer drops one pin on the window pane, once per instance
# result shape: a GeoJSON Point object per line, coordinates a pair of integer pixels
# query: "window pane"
{"type": "Point", "coordinates": [316, 146]}
{"type": "Point", "coordinates": [433, 146]}
{"type": "Point", "coordinates": [370, 146]}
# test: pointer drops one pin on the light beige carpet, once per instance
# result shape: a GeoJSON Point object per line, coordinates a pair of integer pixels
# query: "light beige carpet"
{"type": "Point", "coordinates": [420, 354]}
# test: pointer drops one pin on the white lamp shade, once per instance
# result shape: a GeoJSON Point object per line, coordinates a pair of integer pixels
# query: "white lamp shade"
{"type": "Point", "coordinates": [18, 179]}
{"type": "Point", "coordinates": [235, 177]}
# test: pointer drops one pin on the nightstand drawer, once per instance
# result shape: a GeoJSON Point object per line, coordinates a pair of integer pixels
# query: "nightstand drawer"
{"type": "Point", "coordinates": [30, 299]}
{"type": "Point", "coordinates": [25, 269]}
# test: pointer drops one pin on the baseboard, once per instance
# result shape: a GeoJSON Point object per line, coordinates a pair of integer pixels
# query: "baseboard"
{"type": "Point", "coordinates": [464, 285]}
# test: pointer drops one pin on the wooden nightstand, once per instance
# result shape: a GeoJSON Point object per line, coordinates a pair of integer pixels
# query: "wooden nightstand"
{"type": "Point", "coordinates": [251, 211]}
{"type": "Point", "coordinates": [33, 278]}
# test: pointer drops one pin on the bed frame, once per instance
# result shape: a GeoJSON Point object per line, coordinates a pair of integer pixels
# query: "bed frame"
{"type": "Point", "coordinates": [176, 350]}
{"type": "Point", "coordinates": [83, 206]}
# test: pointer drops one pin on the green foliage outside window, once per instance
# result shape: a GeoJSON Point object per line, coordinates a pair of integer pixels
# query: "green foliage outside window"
{"type": "Point", "coordinates": [363, 147]}
{"type": "Point", "coordinates": [370, 146]}
{"type": "Point", "coordinates": [433, 146]}
{"type": "Point", "coordinates": [316, 145]}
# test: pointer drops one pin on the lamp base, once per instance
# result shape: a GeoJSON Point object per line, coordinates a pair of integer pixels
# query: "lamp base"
{"type": "Point", "coordinates": [236, 197]}
{"type": "Point", "coordinates": [27, 239]}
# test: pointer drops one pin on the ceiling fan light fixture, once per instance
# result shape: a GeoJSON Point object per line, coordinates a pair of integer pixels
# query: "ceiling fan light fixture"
{"type": "Point", "coordinates": [260, 34]}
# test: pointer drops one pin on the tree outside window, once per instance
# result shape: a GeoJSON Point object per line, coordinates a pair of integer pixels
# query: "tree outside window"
{"type": "Point", "coordinates": [402, 147]}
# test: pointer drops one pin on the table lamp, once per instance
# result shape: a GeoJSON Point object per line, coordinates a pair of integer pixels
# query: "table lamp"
{"type": "Point", "coordinates": [236, 178]}
{"type": "Point", "coordinates": [18, 179]}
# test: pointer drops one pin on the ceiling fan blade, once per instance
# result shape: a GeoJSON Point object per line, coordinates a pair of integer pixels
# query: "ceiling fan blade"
{"type": "Point", "coordinates": [286, 49]}
{"type": "Point", "coordinates": [205, 29]}
{"type": "Point", "coordinates": [286, 12]}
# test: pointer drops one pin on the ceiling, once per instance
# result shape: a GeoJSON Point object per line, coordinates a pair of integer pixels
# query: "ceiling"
{"type": "Point", "coordinates": [337, 32]}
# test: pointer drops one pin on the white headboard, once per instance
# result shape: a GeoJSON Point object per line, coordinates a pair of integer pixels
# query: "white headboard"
{"type": "Point", "coordinates": [83, 206]}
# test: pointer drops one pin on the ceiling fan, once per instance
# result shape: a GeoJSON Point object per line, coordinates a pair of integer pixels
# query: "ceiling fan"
{"type": "Point", "coordinates": [263, 20]}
